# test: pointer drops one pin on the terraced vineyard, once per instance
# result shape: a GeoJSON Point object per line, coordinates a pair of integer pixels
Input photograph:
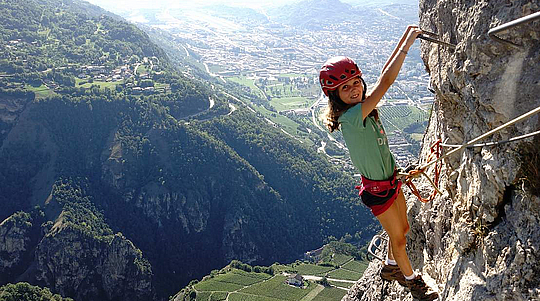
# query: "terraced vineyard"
{"type": "Point", "coordinates": [330, 294]}
{"type": "Point", "coordinates": [312, 269]}
{"type": "Point", "coordinates": [402, 116]}
{"type": "Point", "coordinates": [278, 289]}
{"type": "Point", "coordinates": [233, 284]}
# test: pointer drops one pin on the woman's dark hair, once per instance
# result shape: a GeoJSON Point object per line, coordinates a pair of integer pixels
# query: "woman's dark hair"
{"type": "Point", "coordinates": [336, 107]}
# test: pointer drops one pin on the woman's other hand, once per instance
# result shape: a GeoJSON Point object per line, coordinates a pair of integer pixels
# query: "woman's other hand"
{"type": "Point", "coordinates": [412, 33]}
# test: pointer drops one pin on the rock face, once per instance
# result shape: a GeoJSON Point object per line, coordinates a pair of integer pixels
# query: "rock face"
{"type": "Point", "coordinates": [79, 265]}
{"type": "Point", "coordinates": [11, 106]}
{"type": "Point", "coordinates": [480, 239]}
{"type": "Point", "coordinates": [18, 236]}
{"type": "Point", "coordinates": [72, 261]}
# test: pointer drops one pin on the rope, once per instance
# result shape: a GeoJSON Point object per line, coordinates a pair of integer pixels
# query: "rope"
{"type": "Point", "coordinates": [436, 150]}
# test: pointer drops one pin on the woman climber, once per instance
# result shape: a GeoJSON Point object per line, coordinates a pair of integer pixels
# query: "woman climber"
{"type": "Point", "coordinates": [353, 111]}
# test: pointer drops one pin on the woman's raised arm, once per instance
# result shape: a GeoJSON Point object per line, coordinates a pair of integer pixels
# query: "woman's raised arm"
{"type": "Point", "coordinates": [390, 70]}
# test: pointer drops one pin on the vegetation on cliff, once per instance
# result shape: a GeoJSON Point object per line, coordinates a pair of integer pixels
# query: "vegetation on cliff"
{"type": "Point", "coordinates": [24, 291]}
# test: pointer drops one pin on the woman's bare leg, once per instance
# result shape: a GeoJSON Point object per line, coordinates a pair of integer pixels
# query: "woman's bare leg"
{"type": "Point", "coordinates": [394, 222]}
{"type": "Point", "coordinates": [390, 254]}
{"type": "Point", "coordinates": [402, 208]}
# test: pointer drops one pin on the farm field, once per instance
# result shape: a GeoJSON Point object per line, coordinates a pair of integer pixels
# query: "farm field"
{"type": "Point", "coordinates": [356, 266]}
{"type": "Point", "coordinates": [330, 294]}
{"type": "Point", "coordinates": [340, 259]}
{"type": "Point", "coordinates": [249, 297]}
{"type": "Point", "coordinates": [289, 103]}
{"type": "Point", "coordinates": [231, 281]}
{"type": "Point", "coordinates": [312, 269]}
{"type": "Point", "coordinates": [401, 116]}
{"type": "Point", "coordinates": [344, 274]}
{"type": "Point", "coordinates": [248, 83]}
{"type": "Point", "coordinates": [101, 84]}
{"type": "Point", "coordinates": [41, 91]}
{"type": "Point", "coordinates": [341, 284]}
{"type": "Point", "coordinates": [276, 288]}
{"type": "Point", "coordinates": [233, 284]}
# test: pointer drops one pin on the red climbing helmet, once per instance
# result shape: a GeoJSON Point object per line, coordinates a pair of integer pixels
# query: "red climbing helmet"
{"type": "Point", "coordinates": [336, 71]}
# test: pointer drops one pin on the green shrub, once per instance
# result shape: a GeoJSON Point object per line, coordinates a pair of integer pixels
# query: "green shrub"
{"type": "Point", "coordinates": [23, 291]}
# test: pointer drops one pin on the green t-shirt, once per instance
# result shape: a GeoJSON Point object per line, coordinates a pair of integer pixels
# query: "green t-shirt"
{"type": "Point", "coordinates": [367, 144]}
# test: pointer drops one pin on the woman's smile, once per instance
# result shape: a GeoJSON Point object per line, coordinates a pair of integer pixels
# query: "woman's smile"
{"type": "Point", "coordinates": [351, 91]}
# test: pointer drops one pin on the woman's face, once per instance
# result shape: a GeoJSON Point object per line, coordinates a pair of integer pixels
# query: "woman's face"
{"type": "Point", "coordinates": [351, 92]}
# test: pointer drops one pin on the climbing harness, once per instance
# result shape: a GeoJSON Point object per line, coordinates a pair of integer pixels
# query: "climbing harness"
{"type": "Point", "coordinates": [436, 157]}
{"type": "Point", "coordinates": [378, 188]}
{"type": "Point", "coordinates": [379, 195]}
{"type": "Point", "coordinates": [379, 241]}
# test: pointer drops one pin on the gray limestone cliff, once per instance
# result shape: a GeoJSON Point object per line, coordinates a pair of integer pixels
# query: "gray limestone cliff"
{"type": "Point", "coordinates": [480, 240]}
{"type": "Point", "coordinates": [72, 261]}
{"type": "Point", "coordinates": [76, 264]}
{"type": "Point", "coordinates": [19, 234]}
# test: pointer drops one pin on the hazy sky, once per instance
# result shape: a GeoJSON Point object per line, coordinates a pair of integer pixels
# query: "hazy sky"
{"type": "Point", "coordinates": [137, 4]}
{"type": "Point", "coordinates": [127, 5]}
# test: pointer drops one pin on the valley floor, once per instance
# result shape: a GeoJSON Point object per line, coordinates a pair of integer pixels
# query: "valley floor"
{"type": "Point", "coordinates": [239, 285]}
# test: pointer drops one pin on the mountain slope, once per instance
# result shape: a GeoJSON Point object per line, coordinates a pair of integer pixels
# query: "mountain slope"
{"type": "Point", "coordinates": [109, 193]}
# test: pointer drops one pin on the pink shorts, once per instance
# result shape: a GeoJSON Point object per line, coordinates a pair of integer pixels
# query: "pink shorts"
{"type": "Point", "coordinates": [379, 195]}
{"type": "Point", "coordinates": [379, 205]}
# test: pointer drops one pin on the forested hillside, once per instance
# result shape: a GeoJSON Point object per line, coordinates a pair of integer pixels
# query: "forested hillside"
{"type": "Point", "coordinates": [121, 179]}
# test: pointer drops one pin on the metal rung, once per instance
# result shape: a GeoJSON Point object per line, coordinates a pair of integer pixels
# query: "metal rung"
{"type": "Point", "coordinates": [495, 142]}
{"type": "Point", "coordinates": [375, 246]}
{"type": "Point", "coordinates": [506, 26]}
{"type": "Point", "coordinates": [423, 37]}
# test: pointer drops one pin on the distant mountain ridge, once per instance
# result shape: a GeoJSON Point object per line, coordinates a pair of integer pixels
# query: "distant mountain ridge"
{"type": "Point", "coordinates": [322, 14]}
{"type": "Point", "coordinates": [381, 2]}
{"type": "Point", "coordinates": [245, 14]}
{"type": "Point", "coordinates": [313, 14]}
